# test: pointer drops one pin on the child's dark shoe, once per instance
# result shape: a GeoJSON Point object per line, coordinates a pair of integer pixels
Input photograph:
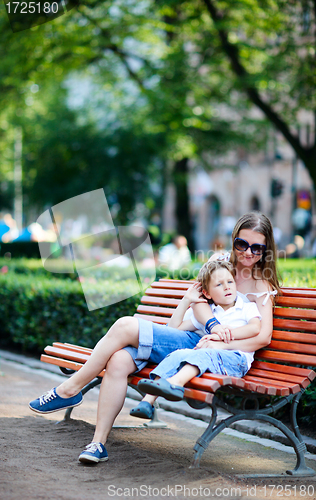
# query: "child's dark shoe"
{"type": "Point", "coordinates": [143, 410]}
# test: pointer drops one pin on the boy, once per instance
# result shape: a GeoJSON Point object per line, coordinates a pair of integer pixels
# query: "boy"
{"type": "Point", "coordinates": [234, 319]}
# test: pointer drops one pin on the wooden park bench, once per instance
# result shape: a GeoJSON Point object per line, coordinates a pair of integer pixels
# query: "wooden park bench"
{"type": "Point", "coordinates": [279, 374]}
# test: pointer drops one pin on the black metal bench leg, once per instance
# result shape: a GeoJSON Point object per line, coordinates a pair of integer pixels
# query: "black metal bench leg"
{"type": "Point", "coordinates": [294, 423]}
{"type": "Point", "coordinates": [155, 422]}
{"type": "Point", "coordinates": [211, 432]}
{"type": "Point", "coordinates": [203, 442]}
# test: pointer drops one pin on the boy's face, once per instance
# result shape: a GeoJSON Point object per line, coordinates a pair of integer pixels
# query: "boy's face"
{"type": "Point", "coordinates": [221, 288]}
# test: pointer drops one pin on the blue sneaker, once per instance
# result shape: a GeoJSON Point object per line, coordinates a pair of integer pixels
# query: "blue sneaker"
{"type": "Point", "coordinates": [50, 402]}
{"type": "Point", "coordinates": [94, 453]}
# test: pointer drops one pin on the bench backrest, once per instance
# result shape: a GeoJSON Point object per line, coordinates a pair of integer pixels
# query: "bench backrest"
{"type": "Point", "coordinates": [294, 322]}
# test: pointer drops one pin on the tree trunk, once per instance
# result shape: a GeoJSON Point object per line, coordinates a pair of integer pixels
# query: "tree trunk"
{"type": "Point", "coordinates": [180, 177]}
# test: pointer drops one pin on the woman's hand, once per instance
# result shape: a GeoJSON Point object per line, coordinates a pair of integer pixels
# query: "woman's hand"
{"type": "Point", "coordinates": [194, 294]}
{"type": "Point", "coordinates": [209, 343]}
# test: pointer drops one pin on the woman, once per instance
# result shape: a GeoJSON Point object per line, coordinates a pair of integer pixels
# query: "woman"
{"type": "Point", "coordinates": [131, 343]}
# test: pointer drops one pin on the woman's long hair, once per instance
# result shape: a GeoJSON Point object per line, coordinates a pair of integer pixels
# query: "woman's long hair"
{"type": "Point", "coordinates": [265, 268]}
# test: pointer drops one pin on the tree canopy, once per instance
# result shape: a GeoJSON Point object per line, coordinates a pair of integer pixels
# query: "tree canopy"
{"type": "Point", "coordinates": [194, 71]}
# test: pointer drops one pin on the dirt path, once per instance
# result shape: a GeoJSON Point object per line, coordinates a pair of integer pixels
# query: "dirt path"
{"type": "Point", "coordinates": [38, 458]}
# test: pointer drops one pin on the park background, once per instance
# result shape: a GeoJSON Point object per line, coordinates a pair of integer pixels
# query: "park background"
{"type": "Point", "coordinates": [186, 113]}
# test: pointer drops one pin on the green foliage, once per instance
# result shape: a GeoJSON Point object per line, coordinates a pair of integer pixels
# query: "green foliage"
{"type": "Point", "coordinates": [298, 272]}
{"type": "Point", "coordinates": [35, 268]}
{"type": "Point", "coordinates": [37, 312]}
{"type": "Point", "coordinates": [307, 408]}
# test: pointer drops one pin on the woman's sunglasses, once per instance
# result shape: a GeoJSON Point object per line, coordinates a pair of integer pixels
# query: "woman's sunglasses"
{"type": "Point", "coordinates": [243, 245]}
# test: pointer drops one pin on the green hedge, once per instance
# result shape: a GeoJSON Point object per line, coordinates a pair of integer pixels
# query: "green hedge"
{"type": "Point", "coordinates": [35, 268]}
{"type": "Point", "coordinates": [37, 312]}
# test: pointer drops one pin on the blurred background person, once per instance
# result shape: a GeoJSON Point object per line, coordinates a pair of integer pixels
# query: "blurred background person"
{"type": "Point", "coordinates": [176, 254]}
{"type": "Point", "coordinates": [8, 228]}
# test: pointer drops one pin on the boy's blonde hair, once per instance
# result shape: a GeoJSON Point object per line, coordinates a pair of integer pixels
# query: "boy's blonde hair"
{"type": "Point", "coordinates": [208, 269]}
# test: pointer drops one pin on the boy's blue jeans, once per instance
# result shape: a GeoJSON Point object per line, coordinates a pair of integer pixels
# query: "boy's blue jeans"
{"type": "Point", "coordinates": [219, 361]}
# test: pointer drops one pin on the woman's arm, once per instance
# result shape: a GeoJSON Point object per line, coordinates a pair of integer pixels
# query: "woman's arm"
{"type": "Point", "coordinates": [247, 331]}
{"type": "Point", "coordinates": [250, 344]}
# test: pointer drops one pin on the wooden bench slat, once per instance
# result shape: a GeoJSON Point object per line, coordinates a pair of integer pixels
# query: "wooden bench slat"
{"type": "Point", "coordinates": [222, 379]}
{"type": "Point", "coordinates": [274, 367]}
{"type": "Point", "coordinates": [308, 314]}
{"type": "Point", "coordinates": [286, 357]}
{"type": "Point", "coordinates": [280, 390]}
{"type": "Point", "coordinates": [160, 301]}
{"type": "Point", "coordinates": [302, 381]}
{"type": "Point", "coordinates": [170, 280]}
{"type": "Point", "coordinates": [175, 285]}
{"type": "Point", "coordinates": [295, 302]}
{"type": "Point", "coordinates": [163, 311]}
{"type": "Point", "coordinates": [157, 292]}
{"type": "Point", "coordinates": [81, 357]}
{"type": "Point", "coordinates": [72, 347]}
{"type": "Point", "coordinates": [205, 397]}
{"type": "Point", "coordinates": [156, 319]}
{"type": "Point", "coordinates": [200, 383]}
{"type": "Point", "coordinates": [295, 347]}
{"type": "Point", "coordinates": [302, 338]}
{"type": "Point", "coordinates": [273, 382]}
{"type": "Point", "coordinates": [296, 325]}
{"type": "Point", "coordinates": [71, 365]}
{"type": "Point", "coordinates": [259, 386]}
{"type": "Point", "coordinates": [299, 292]}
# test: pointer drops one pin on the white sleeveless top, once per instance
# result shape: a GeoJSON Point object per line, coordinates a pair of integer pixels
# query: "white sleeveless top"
{"type": "Point", "coordinates": [268, 294]}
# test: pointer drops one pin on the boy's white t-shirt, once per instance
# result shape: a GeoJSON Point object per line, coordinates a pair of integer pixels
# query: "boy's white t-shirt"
{"type": "Point", "coordinates": [238, 315]}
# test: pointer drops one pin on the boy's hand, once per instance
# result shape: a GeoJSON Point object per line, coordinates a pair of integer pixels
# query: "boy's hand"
{"type": "Point", "coordinates": [194, 294]}
{"type": "Point", "coordinates": [219, 332]}
{"type": "Point", "coordinates": [223, 332]}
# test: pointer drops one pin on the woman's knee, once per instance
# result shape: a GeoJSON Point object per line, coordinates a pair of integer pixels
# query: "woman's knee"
{"type": "Point", "coordinates": [127, 325]}
{"type": "Point", "coordinates": [120, 364]}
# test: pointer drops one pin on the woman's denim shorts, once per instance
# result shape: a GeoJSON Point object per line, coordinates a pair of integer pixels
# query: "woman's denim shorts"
{"type": "Point", "coordinates": [220, 361]}
{"type": "Point", "coordinates": [157, 341]}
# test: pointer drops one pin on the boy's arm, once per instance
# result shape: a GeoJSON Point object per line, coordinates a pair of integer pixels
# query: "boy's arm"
{"type": "Point", "coordinates": [247, 331]}
{"type": "Point", "coordinates": [202, 312]}
{"type": "Point", "coordinates": [192, 295]}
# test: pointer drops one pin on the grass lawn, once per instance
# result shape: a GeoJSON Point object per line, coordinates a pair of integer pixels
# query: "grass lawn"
{"type": "Point", "coordinates": [298, 272]}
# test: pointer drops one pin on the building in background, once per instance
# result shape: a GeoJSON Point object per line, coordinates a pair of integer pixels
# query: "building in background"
{"type": "Point", "coordinates": [274, 183]}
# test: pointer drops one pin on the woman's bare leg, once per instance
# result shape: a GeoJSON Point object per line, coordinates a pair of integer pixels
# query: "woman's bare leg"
{"type": "Point", "coordinates": [112, 393]}
{"type": "Point", "coordinates": [124, 332]}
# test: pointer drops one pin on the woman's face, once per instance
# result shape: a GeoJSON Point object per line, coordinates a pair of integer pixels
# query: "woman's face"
{"type": "Point", "coordinates": [247, 259]}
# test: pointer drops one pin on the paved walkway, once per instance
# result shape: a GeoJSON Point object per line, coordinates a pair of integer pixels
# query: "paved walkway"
{"type": "Point", "coordinates": [39, 459]}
